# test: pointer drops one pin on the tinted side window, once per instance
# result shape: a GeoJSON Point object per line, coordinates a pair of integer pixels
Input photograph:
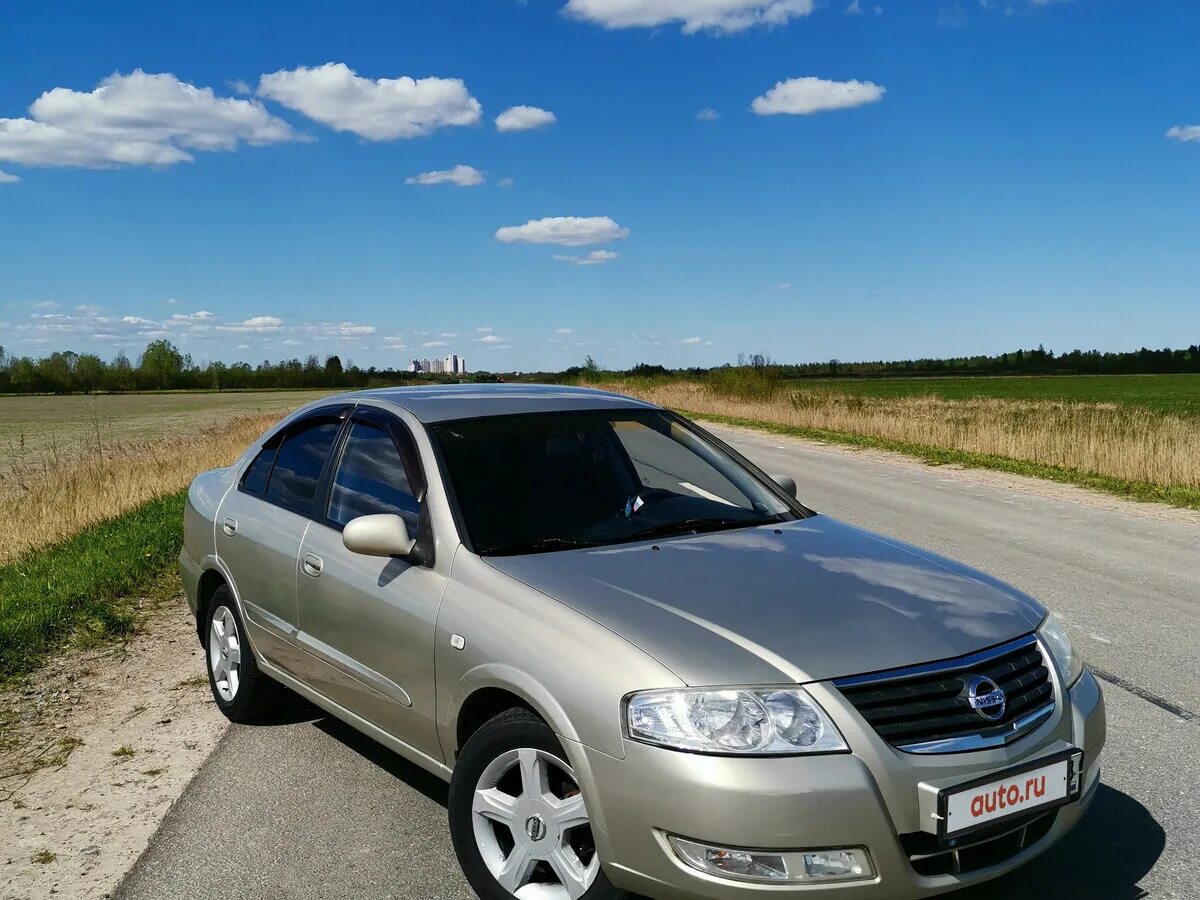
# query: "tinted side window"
{"type": "Point", "coordinates": [371, 479]}
{"type": "Point", "coordinates": [298, 466]}
{"type": "Point", "coordinates": [255, 479]}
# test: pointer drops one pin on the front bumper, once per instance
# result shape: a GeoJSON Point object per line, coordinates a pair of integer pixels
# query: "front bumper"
{"type": "Point", "coordinates": [867, 798]}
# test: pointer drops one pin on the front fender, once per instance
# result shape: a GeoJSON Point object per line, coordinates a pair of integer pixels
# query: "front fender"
{"type": "Point", "coordinates": [496, 632]}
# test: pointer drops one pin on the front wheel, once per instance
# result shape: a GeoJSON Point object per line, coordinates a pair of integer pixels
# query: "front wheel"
{"type": "Point", "coordinates": [517, 817]}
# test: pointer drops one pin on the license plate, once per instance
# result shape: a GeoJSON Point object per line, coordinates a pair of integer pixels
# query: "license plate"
{"type": "Point", "coordinates": [1040, 785]}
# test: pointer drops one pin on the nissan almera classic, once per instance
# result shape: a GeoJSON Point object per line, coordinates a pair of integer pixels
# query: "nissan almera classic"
{"type": "Point", "coordinates": [642, 665]}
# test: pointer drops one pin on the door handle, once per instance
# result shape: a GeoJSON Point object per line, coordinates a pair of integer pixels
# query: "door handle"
{"type": "Point", "coordinates": [229, 526]}
{"type": "Point", "coordinates": [312, 565]}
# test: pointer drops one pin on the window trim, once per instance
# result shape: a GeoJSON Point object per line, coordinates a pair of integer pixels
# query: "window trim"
{"type": "Point", "coordinates": [339, 412]}
{"type": "Point", "coordinates": [402, 440]}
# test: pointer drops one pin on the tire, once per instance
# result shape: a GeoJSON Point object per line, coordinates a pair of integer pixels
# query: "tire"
{"type": "Point", "coordinates": [243, 693]}
{"type": "Point", "coordinates": [537, 842]}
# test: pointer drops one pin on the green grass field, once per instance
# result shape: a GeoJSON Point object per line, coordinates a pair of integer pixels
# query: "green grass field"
{"type": "Point", "coordinates": [1174, 394]}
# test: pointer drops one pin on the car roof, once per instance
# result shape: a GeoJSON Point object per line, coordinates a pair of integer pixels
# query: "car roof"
{"type": "Point", "coordinates": [446, 402]}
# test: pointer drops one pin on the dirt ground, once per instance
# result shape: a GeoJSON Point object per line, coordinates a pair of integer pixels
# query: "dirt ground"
{"type": "Point", "coordinates": [94, 749]}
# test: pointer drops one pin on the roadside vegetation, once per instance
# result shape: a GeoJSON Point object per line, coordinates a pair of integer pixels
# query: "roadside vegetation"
{"type": "Point", "coordinates": [86, 585]}
{"type": "Point", "coordinates": [86, 534]}
{"type": "Point", "coordinates": [1127, 449]}
{"type": "Point", "coordinates": [44, 502]}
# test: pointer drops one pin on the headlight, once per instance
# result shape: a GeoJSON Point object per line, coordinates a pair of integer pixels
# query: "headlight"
{"type": "Point", "coordinates": [1069, 660]}
{"type": "Point", "coordinates": [763, 721]}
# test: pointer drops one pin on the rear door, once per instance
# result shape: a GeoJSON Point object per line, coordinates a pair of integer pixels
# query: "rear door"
{"type": "Point", "coordinates": [369, 621]}
{"type": "Point", "coordinates": [261, 524]}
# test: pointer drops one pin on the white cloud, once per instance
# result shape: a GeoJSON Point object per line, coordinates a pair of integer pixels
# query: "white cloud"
{"type": "Point", "coordinates": [524, 118]}
{"type": "Point", "coordinates": [854, 8]}
{"type": "Point", "coordinates": [45, 304]}
{"type": "Point", "coordinates": [708, 114]}
{"type": "Point", "coordinates": [255, 324]}
{"type": "Point", "coordinates": [952, 16]}
{"type": "Point", "coordinates": [448, 334]}
{"type": "Point", "coordinates": [490, 339]}
{"type": "Point", "coordinates": [506, 182]}
{"type": "Point", "coordinates": [485, 329]}
{"type": "Point", "coordinates": [243, 346]}
{"type": "Point", "coordinates": [379, 110]}
{"type": "Point", "coordinates": [565, 231]}
{"type": "Point", "coordinates": [137, 119]}
{"type": "Point", "coordinates": [595, 258]}
{"type": "Point", "coordinates": [238, 86]}
{"type": "Point", "coordinates": [347, 330]}
{"type": "Point", "coordinates": [136, 320]}
{"type": "Point", "coordinates": [171, 301]}
{"type": "Point", "coordinates": [805, 96]}
{"type": "Point", "coordinates": [691, 340]}
{"type": "Point", "coordinates": [6, 178]}
{"type": "Point", "coordinates": [726, 16]}
{"type": "Point", "coordinates": [463, 176]}
{"type": "Point", "coordinates": [195, 323]}
{"type": "Point", "coordinates": [564, 331]}
{"type": "Point", "coordinates": [1185, 133]}
{"type": "Point", "coordinates": [432, 344]}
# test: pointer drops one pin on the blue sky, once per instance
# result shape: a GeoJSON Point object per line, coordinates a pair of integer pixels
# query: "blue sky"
{"type": "Point", "coordinates": [872, 180]}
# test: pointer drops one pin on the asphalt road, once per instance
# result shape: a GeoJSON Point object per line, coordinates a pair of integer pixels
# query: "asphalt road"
{"type": "Point", "coordinates": [307, 808]}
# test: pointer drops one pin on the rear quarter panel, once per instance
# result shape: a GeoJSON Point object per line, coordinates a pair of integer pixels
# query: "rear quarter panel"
{"type": "Point", "coordinates": [199, 521]}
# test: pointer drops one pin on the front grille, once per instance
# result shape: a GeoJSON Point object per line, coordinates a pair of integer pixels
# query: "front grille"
{"type": "Point", "coordinates": [989, 847]}
{"type": "Point", "coordinates": [925, 708]}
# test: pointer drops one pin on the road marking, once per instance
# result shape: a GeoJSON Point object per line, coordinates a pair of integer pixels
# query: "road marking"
{"type": "Point", "coordinates": [1162, 703]}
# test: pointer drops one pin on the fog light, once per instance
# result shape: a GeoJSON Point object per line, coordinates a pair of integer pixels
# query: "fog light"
{"type": "Point", "coordinates": [775, 866]}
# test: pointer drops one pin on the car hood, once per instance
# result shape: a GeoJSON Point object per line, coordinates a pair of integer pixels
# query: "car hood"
{"type": "Point", "coordinates": [803, 601]}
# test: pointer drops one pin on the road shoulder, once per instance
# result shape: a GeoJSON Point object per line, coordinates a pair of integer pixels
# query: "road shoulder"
{"type": "Point", "coordinates": [95, 749]}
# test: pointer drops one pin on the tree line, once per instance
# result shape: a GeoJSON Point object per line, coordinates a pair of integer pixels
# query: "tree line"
{"type": "Point", "coordinates": [163, 367]}
{"type": "Point", "coordinates": [1018, 362]}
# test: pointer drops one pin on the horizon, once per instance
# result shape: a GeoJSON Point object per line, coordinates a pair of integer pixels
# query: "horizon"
{"type": "Point", "coordinates": [853, 180]}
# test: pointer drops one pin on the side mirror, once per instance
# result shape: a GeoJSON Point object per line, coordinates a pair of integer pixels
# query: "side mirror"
{"type": "Point", "coordinates": [787, 483]}
{"type": "Point", "coordinates": [381, 535]}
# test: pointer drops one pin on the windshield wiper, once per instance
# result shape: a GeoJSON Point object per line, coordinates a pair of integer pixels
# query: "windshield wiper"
{"type": "Point", "coordinates": [697, 525]}
{"type": "Point", "coordinates": [550, 543]}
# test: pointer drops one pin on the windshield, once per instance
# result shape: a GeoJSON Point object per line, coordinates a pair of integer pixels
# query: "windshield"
{"type": "Point", "coordinates": [558, 481]}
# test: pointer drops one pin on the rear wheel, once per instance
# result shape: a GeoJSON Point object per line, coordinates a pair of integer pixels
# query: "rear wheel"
{"type": "Point", "coordinates": [518, 819]}
{"type": "Point", "coordinates": [241, 690]}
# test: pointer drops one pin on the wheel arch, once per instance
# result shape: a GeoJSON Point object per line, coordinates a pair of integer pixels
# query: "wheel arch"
{"type": "Point", "coordinates": [210, 581]}
{"type": "Point", "coordinates": [488, 690]}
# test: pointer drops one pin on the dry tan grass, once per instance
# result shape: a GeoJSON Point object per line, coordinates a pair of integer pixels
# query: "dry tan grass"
{"type": "Point", "coordinates": [1114, 440]}
{"type": "Point", "coordinates": [46, 501]}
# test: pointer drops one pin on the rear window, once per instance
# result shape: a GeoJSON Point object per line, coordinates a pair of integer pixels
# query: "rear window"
{"type": "Point", "coordinates": [255, 479]}
{"type": "Point", "coordinates": [298, 465]}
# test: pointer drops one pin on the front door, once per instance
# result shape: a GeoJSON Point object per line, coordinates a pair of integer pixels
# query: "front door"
{"type": "Point", "coordinates": [369, 621]}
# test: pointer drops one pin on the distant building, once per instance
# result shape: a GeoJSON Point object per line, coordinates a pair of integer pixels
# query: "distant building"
{"type": "Point", "coordinates": [451, 365]}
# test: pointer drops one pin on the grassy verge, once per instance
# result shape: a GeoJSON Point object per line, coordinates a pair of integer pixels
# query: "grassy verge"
{"type": "Point", "coordinates": [1135, 490]}
{"type": "Point", "coordinates": [85, 585]}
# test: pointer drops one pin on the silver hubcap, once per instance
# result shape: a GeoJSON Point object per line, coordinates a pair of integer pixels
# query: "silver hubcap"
{"type": "Point", "coordinates": [225, 653]}
{"type": "Point", "coordinates": [531, 827]}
